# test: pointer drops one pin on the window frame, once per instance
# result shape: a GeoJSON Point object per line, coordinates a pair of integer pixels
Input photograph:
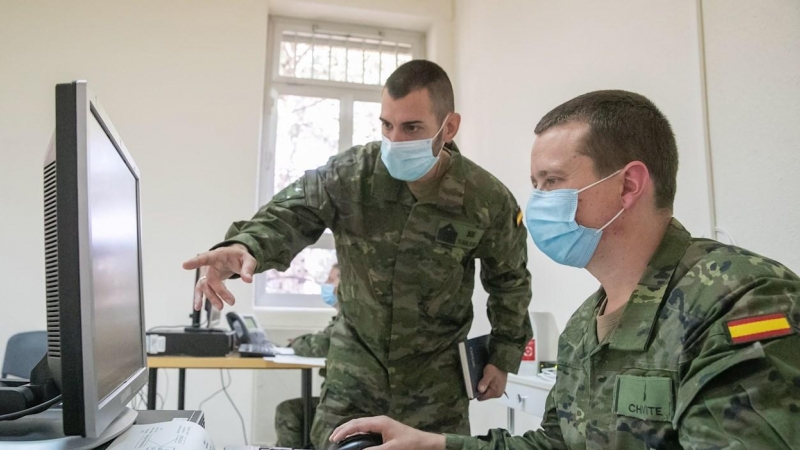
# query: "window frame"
{"type": "Point", "coordinates": [347, 93]}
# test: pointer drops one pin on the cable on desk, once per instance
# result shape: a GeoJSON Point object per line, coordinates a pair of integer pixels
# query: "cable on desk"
{"type": "Point", "coordinates": [35, 410]}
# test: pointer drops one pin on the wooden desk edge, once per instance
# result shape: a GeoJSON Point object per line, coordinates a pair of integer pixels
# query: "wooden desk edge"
{"type": "Point", "coordinates": [221, 362]}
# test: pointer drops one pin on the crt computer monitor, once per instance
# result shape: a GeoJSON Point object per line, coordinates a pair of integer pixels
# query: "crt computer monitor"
{"type": "Point", "coordinates": [93, 258]}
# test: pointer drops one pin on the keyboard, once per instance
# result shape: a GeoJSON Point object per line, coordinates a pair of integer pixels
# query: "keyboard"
{"type": "Point", "coordinates": [257, 350]}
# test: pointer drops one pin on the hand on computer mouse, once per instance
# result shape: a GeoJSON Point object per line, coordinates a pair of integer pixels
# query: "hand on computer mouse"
{"type": "Point", "coordinates": [396, 436]}
{"type": "Point", "coordinates": [358, 441]}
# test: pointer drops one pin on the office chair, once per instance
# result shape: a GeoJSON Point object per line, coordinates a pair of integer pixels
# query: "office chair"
{"type": "Point", "coordinates": [23, 352]}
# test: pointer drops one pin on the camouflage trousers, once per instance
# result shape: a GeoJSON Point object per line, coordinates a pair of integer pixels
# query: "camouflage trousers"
{"type": "Point", "coordinates": [289, 422]}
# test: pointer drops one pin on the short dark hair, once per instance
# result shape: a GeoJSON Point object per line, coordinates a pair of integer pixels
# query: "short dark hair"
{"type": "Point", "coordinates": [623, 127]}
{"type": "Point", "coordinates": [422, 74]}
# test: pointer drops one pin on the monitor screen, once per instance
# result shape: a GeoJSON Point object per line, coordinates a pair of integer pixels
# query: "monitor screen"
{"type": "Point", "coordinates": [114, 246]}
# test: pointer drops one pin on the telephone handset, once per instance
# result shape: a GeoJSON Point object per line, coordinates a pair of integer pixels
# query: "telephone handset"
{"type": "Point", "coordinates": [247, 329]}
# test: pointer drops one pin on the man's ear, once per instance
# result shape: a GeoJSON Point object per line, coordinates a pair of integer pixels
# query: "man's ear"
{"type": "Point", "coordinates": [451, 128]}
{"type": "Point", "coordinates": [635, 184]}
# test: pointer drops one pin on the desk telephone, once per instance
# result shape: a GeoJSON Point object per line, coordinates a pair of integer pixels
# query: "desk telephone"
{"type": "Point", "coordinates": [251, 337]}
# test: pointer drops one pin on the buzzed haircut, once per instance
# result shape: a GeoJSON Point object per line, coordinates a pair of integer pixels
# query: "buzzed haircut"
{"type": "Point", "coordinates": [623, 127]}
{"type": "Point", "coordinates": [422, 74]}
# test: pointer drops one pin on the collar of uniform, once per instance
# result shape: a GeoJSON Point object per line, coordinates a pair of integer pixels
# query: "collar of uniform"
{"type": "Point", "coordinates": [451, 189]}
{"type": "Point", "coordinates": [638, 320]}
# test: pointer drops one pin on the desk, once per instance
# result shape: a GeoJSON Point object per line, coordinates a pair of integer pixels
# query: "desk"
{"type": "Point", "coordinates": [228, 362]}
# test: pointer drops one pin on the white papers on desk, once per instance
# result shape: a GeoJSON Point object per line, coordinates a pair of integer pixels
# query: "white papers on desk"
{"type": "Point", "coordinates": [292, 359]}
{"type": "Point", "coordinates": [283, 350]}
{"type": "Point", "coordinates": [175, 435]}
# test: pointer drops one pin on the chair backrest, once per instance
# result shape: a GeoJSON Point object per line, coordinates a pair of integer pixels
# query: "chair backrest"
{"type": "Point", "coordinates": [23, 352]}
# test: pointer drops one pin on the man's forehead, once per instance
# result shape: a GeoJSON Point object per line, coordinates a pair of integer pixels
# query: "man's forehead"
{"type": "Point", "coordinates": [556, 150]}
{"type": "Point", "coordinates": [416, 106]}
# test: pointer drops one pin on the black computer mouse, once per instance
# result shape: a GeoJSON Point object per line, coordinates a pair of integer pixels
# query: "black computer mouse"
{"type": "Point", "coordinates": [358, 442]}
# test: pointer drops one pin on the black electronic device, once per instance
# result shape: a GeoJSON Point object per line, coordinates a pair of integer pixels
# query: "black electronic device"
{"type": "Point", "coordinates": [163, 342]}
{"type": "Point", "coordinates": [251, 337]}
{"type": "Point", "coordinates": [358, 442]}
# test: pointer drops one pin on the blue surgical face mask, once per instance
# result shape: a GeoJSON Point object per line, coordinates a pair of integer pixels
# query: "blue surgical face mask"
{"type": "Point", "coordinates": [329, 294]}
{"type": "Point", "coordinates": [550, 217]}
{"type": "Point", "coordinates": [409, 160]}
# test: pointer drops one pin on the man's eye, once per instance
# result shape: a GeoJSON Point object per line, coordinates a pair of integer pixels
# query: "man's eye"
{"type": "Point", "coordinates": [386, 125]}
{"type": "Point", "coordinates": [550, 182]}
{"type": "Point", "coordinates": [412, 129]}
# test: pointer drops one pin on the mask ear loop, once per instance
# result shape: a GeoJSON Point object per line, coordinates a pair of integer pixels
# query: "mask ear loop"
{"type": "Point", "coordinates": [598, 182]}
{"type": "Point", "coordinates": [612, 219]}
{"type": "Point", "coordinates": [433, 139]}
{"type": "Point", "coordinates": [595, 184]}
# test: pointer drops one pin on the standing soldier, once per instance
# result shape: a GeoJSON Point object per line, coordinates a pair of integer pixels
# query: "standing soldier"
{"type": "Point", "coordinates": [410, 216]}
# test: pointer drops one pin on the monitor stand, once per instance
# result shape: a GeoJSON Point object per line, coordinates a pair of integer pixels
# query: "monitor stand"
{"type": "Point", "coordinates": [45, 431]}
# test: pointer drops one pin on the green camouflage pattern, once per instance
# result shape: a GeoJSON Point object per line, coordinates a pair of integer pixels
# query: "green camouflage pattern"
{"type": "Point", "coordinates": [289, 414]}
{"type": "Point", "coordinates": [696, 389]}
{"type": "Point", "coordinates": [407, 276]}
{"type": "Point", "coordinates": [289, 423]}
{"type": "Point", "coordinates": [315, 345]}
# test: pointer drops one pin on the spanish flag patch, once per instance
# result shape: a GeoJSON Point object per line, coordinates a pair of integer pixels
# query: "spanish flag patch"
{"type": "Point", "coordinates": [758, 328]}
{"type": "Point", "coordinates": [518, 217]}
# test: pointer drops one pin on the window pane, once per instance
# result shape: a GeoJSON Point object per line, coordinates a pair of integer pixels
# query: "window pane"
{"type": "Point", "coordinates": [372, 67]}
{"type": "Point", "coordinates": [339, 64]}
{"type": "Point", "coordinates": [309, 269]}
{"type": "Point", "coordinates": [307, 135]}
{"type": "Point", "coordinates": [355, 66]}
{"type": "Point", "coordinates": [388, 64]}
{"type": "Point", "coordinates": [321, 62]}
{"type": "Point", "coordinates": [366, 122]}
{"type": "Point", "coordinates": [303, 69]}
{"type": "Point", "coordinates": [342, 57]}
{"type": "Point", "coordinates": [286, 65]}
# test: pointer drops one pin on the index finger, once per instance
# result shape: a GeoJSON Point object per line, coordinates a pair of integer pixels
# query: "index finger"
{"type": "Point", "coordinates": [197, 262]}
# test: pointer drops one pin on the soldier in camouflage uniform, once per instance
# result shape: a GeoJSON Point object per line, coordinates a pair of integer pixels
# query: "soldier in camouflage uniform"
{"type": "Point", "coordinates": [407, 244]}
{"type": "Point", "coordinates": [688, 344]}
{"type": "Point", "coordinates": [289, 413]}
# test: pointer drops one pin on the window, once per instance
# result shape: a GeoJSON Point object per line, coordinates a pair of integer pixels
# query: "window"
{"type": "Point", "coordinates": [325, 86]}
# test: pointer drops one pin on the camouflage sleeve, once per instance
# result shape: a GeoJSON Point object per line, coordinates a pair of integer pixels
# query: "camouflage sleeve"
{"type": "Point", "coordinates": [547, 438]}
{"type": "Point", "coordinates": [505, 277]}
{"type": "Point", "coordinates": [746, 392]}
{"type": "Point", "coordinates": [314, 345]}
{"type": "Point", "coordinates": [294, 219]}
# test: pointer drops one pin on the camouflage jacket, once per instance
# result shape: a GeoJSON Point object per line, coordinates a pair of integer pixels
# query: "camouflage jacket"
{"type": "Point", "coordinates": [707, 356]}
{"type": "Point", "coordinates": [407, 276]}
{"type": "Point", "coordinates": [315, 345]}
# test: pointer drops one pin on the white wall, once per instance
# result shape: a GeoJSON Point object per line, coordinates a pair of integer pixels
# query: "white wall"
{"type": "Point", "coordinates": [182, 82]}
{"type": "Point", "coordinates": [753, 73]}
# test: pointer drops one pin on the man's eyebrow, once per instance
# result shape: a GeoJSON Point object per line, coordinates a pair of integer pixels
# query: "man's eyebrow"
{"type": "Point", "coordinates": [410, 122]}
{"type": "Point", "coordinates": [544, 173]}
